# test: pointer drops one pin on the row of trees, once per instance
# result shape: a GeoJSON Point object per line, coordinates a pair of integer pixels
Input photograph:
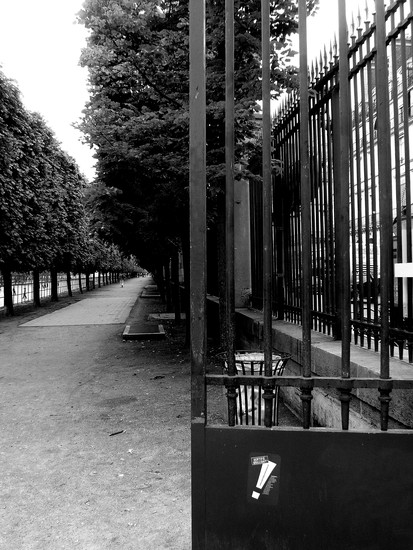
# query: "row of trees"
{"type": "Point", "coordinates": [44, 222]}
{"type": "Point", "coordinates": [138, 114]}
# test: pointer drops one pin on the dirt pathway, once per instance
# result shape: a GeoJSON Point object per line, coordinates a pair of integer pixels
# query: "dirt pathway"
{"type": "Point", "coordinates": [95, 446]}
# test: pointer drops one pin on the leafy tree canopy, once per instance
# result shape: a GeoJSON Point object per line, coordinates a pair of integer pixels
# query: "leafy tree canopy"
{"type": "Point", "coordinates": [137, 116]}
{"type": "Point", "coordinates": [41, 188]}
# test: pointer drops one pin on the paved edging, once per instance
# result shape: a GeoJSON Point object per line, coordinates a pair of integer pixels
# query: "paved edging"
{"type": "Point", "coordinates": [137, 334]}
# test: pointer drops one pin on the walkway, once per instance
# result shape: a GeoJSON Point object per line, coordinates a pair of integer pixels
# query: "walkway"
{"type": "Point", "coordinates": [95, 449]}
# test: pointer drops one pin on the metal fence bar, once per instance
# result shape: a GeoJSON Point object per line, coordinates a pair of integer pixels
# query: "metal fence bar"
{"type": "Point", "coordinates": [364, 191]}
{"type": "Point", "coordinates": [386, 243]}
{"type": "Point", "coordinates": [406, 214]}
{"type": "Point", "coordinates": [306, 394]}
{"type": "Point", "coordinates": [398, 116]}
{"type": "Point", "coordinates": [385, 195]}
{"type": "Point", "coordinates": [197, 144]}
{"type": "Point", "coordinates": [229, 189]}
{"type": "Point", "coordinates": [373, 188]}
{"type": "Point", "coordinates": [326, 382]}
{"type": "Point", "coordinates": [267, 203]}
{"type": "Point", "coordinates": [344, 241]}
{"type": "Point", "coordinates": [197, 290]}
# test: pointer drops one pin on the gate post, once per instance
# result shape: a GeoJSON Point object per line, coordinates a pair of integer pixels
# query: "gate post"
{"type": "Point", "coordinates": [197, 291]}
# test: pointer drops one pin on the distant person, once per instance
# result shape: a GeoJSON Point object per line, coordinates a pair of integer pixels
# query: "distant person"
{"type": "Point", "coordinates": [122, 281]}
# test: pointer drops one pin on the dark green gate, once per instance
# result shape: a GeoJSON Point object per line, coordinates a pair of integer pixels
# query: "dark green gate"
{"type": "Point", "coordinates": [265, 486]}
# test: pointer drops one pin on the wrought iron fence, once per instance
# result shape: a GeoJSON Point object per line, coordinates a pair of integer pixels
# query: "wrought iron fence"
{"type": "Point", "coordinates": [380, 189]}
{"type": "Point", "coordinates": [23, 289]}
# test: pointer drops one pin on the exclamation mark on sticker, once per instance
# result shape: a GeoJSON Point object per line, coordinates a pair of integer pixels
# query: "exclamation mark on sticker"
{"type": "Point", "coordinates": [266, 470]}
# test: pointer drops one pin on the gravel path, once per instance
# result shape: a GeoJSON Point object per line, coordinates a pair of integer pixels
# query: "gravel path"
{"type": "Point", "coordinates": [95, 431]}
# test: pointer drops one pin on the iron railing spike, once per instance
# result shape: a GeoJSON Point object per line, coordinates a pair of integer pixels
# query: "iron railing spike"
{"type": "Point", "coordinates": [367, 18]}
{"type": "Point", "coordinates": [353, 29]}
{"type": "Point", "coordinates": [325, 59]}
{"type": "Point", "coordinates": [316, 70]}
{"type": "Point", "coordinates": [359, 28]}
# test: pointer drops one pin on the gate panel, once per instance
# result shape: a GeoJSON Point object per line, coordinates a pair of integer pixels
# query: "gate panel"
{"type": "Point", "coordinates": [292, 489]}
{"type": "Point", "coordinates": [336, 490]}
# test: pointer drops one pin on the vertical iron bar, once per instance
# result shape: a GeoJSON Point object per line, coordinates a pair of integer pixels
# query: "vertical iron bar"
{"type": "Point", "coordinates": [197, 206]}
{"type": "Point", "coordinates": [197, 185]}
{"type": "Point", "coordinates": [385, 198]}
{"type": "Point", "coordinates": [313, 181]}
{"type": "Point", "coordinates": [229, 166]}
{"type": "Point", "coordinates": [267, 202]}
{"type": "Point", "coordinates": [344, 107]}
{"type": "Point", "coordinates": [335, 100]}
{"type": "Point", "coordinates": [409, 216]}
{"type": "Point", "coordinates": [385, 189]}
{"type": "Point", "coordinates": [320, 213]}
{"type": "Point", "coordinates": [397, 121]}
{"type": "Point", "coordinates": [229, 204]}
{"type": "Point", "coordinates": [407, 173]}
{"type": "Point", "coordinates": [323, 282]}
{"type": "Point", "coordinates": [366, 198]}
{"type": "Point", "coordinates": [373, 175]}
{"type": "Point", "coordinates": [305, 193]}
{"type": "Point", "coordinates": [330, 230]}
{"type": "Point", "coordinates": [305, 213]}
{"type": "Point", "coordinates": [345, 110]}
{"type": "Point", "coordinates": [358, 209]}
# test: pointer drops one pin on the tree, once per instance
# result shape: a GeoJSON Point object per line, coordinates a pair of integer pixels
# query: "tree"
{"type": "Point", "coordinates": [137, 116]}
{"type": "Point", "coordinates": [41, 196]}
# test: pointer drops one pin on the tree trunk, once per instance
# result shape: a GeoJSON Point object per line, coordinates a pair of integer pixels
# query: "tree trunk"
{"type": "Point", "coordinates": [53, 281]}
{"type": "Point", "coordinates": [186, 304]}
{"type": "Point", "coordinates": [36, 287]}
{"type": "Point", "coordinates": [175, 287]}
{"type": "Point", "coordinates": [221, 267]}
{"type": "Point", "coordinates": [99, 283]}
{"type": "Point", "coordinates": [94, 280]}
{"type": "Point", "coordinates": [160, 281]}
{"type": "Point", "coordinates": [8, 291]}
{"type": "Point", "coordinates": [80, 284]}
{"type": "Point", "coordinates": [168, 286]}
{"type": "Point", "coordinates": [87, 281]}
{"type": "Point", "coordinates": [69, 284]}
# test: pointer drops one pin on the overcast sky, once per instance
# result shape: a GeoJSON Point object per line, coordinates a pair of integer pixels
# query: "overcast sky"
{"type": "Point", "coordinates": [40, 45]}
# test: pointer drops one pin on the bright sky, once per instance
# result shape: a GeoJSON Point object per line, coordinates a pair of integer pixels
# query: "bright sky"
{"type": "Point", "coordinates": [321, 28]}
{"type": "Point", "coordinates": [40, 46]}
